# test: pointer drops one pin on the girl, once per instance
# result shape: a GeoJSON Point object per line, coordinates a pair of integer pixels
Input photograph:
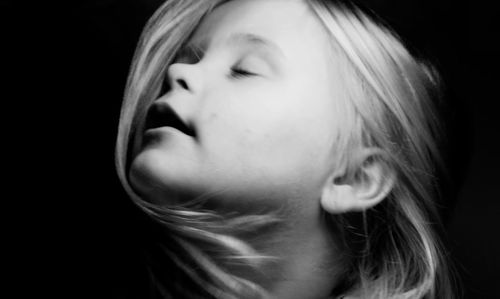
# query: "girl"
{"type": "Point", "coordinates": [285, 149]}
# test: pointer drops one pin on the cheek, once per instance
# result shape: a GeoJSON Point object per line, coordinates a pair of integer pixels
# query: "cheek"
{"type": "Point", "coordinates": [268, 142]}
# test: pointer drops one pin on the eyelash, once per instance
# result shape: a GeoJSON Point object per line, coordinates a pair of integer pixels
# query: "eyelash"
{"type": "Point", "coordinates": [195, 53]}
{"type": "Point", "coordinates": [240, 73]}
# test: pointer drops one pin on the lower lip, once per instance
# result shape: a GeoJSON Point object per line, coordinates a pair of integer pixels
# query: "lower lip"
{"type": "Point", "coordinates": [152, 134]}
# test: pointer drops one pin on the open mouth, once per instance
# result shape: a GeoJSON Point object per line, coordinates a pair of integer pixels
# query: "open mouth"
{"type": "Point", "coordinates": [162, 115]}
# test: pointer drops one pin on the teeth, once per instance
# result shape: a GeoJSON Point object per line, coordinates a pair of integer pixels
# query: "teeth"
{"type": "Point", "coordinates": [165, 116]}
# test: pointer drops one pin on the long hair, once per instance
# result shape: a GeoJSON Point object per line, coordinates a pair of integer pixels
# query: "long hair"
{"type": "Point", "coordinates": [392, 107]}
{"type": "Point", "coordinates": [389, 102]}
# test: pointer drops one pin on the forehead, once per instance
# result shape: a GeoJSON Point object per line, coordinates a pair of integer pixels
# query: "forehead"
{"type": "Point", "coordinates": [289, 24]}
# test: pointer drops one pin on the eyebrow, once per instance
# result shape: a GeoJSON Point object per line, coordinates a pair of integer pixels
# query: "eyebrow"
{"type": "Point", "coordinates": [253, 40]}
{"type": "Point", "coordinates": [239, 40]}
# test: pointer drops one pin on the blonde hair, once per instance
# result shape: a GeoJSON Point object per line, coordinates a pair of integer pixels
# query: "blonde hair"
{"type": "Point", "coordinates": [390, 97]}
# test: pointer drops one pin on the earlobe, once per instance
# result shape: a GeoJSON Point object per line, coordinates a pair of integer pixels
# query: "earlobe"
{"type": "Point", "coordinates": [336, 199]}
{"type": "Point", "coordinates": [368, 186]}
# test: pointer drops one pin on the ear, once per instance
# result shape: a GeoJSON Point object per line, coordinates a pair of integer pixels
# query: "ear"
{"type": "Point", "coordinates": [369, 183]}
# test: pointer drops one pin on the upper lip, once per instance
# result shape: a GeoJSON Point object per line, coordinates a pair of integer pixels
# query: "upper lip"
{"type": "Point", "coordinates": [163, 115]}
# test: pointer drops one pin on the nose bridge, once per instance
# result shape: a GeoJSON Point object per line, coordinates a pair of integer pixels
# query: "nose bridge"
{"type": "Point", "coordinates": [185, 76]}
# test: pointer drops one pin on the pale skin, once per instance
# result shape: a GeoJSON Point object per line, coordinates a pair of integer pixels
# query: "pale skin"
{"type": "Point", "coordinates": [263, 138]}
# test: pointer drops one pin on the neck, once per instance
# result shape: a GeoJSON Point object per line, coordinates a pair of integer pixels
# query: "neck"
{"type": "Point", "coordinates": [308, 261]}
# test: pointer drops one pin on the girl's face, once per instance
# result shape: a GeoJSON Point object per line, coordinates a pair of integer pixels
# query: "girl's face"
{"type": "Point", "coordinates": [261, 103]}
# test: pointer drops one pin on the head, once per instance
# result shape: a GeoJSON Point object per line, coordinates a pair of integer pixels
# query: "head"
{"type": "Point", "coordinates": [307, 107]}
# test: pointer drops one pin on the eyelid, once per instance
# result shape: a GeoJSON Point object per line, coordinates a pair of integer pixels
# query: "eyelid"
{"type": "Point", "coordinates": [237, 72]}
{"type": "Point", "coordinates": [256, 64]}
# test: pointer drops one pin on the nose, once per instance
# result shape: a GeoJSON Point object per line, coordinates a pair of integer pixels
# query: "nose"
{"type": "Point", "coordinates": [185, 77]}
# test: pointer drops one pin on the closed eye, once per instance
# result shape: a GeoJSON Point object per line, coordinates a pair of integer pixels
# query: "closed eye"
{"type": "Point", "coordinates": [240, 73]}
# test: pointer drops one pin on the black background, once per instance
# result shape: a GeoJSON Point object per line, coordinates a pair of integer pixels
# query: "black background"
{"type": "Point", "coordinates": [66, 65]}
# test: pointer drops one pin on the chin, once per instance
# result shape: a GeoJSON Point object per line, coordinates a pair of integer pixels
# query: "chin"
{"type": "Point", "coordinates": [148, 177]}
{"type": "Point", "coordinates": [161, 178]}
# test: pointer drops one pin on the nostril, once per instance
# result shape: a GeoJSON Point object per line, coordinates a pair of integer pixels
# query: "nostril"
{"type": "Point", "coordinates": [182, 83]}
